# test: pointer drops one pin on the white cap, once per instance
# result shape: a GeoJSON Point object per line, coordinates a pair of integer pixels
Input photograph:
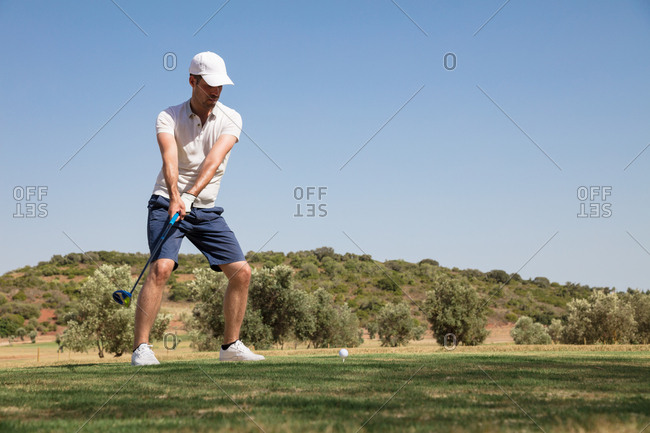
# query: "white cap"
{"type": "Point", "coordinates": [211, 67]}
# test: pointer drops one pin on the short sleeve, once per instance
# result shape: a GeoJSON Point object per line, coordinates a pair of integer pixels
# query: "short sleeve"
{"type": "Point", "coordinates": [165, 123]}
{"type": "Point", "coordinates": [232, 124]}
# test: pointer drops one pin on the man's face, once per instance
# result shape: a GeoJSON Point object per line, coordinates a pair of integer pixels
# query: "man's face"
{"type": "Point", "coordinates": [206, 96]}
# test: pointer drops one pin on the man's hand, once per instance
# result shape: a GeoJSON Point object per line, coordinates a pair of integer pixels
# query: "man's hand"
{"type": "Point", "coordinates": [188, 200]}
{"type": "Point", "coordinates": [176, 204]}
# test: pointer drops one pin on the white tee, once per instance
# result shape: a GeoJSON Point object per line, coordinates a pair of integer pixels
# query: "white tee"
{"type": "Point", "coordinates": [194, 142]}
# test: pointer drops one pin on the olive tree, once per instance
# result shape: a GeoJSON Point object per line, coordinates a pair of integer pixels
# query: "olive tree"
{"type": "Point", "coordinates": [335, 325]}
{"type": "Point", "coordinates": [555, 330]}
{"type": "Point", "coordinates": [603, 317]}
{"type": "Point", "coordinates": [275, 313]}
{"type": "Point", "coordinates": [454, 307]}
{"type": "Point", "coordinates": [528, 332]}
{"type": "Point", "coordinates": [396, 326]}
{"type": "Point", "coordinates": [102, 323]}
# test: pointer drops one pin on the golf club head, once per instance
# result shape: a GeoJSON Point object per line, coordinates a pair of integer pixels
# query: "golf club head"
{"type": "Point", "coordinates": [122, 297]}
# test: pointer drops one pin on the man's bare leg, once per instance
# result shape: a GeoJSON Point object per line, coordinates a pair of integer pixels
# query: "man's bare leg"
{"type": "Point", "coordinates": [234, 304]}
{"type": "Point", "coordinates": [150, 298]}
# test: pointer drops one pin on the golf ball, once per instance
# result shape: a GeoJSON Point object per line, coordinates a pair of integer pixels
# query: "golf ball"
{"type": "Point", "coordinates": [343, 353]}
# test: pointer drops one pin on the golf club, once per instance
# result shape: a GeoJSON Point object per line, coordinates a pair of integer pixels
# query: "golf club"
{"type": "Point", "coordinates": [123, 297]}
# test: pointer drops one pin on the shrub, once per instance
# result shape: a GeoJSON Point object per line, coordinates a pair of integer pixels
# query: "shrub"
{"type": "Point", "coordinates": [454, 307]}
{"type": "Point", "coordinates": [180, 291]}
{"type": "Point", "coordinates": [555, 330]}
{"type": "Point", "coordinates": [542, 282]}
{"type": "Point", "coordinates": [387, 284]}
{"type": "Point", "coordinates": [99, 321]}
{"type": "Point", "coordinates": [28, 311]}
{"type": "Point", "coordinates": [498, 276]}
{"type": "Point", "coordinates": [396, 326]}
{"type": "Point", "coordinates": [332, 267]}
{"type": "Point", "coordinates": [309, 270]}
{"type": "Point", "coordinates": [605, 318]}
{"type": "Point", "coordinates": [396, 265]}
{"type": "Point", "coordinates": [353, 266]}
{"type": "Point", "coordinates": [426, 271]}
{"type": "Point", "coordinates": [473, 274]}
{"type": "Point", "coordinates": [323, 252]}
{"type": "Point", "coordinates": [640, 302]}
{"type": "Point", "coordinates": [275, 311]}
{"type": "Point", "coordinates": [280, 305]}
{"type": "Point", "coordinates": [48, 270]}
{"type": "Point", "coordinates": [373, 329]}
{"type": "Point", "coordinates": [16, 318]}
{"type": "Point", "coordinates": [613, 318]}
{"type": "Point", "coordinates": [335, 325]}
{"type": "Point", "coordinates": [254, 330]}
{"type": "Point", "coordinates": [7, 327]}
{"type": "Point", "coordinates": [20, 296]}
{"type": "Point", "coordinates": [209, 289]}
{"type": "Point", "coordinates": [528, 332]}
{"type": "Point", "coordinates": [28, 281]}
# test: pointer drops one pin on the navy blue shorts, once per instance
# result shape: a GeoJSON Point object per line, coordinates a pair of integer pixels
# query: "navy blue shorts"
{"type": "Point", "coordinates": [205, 228]}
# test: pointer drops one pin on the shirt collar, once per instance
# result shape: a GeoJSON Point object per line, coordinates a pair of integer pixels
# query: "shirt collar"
{"type": "Point", "coordinates": [189, 113]}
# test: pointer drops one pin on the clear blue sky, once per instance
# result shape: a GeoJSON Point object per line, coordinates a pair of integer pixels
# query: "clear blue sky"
{"type": "Point", "coordinates": [450, 177]}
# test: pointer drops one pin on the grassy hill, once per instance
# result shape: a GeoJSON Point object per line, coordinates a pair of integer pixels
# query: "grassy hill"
{"type": "Point", "coordinates": [365, 284]}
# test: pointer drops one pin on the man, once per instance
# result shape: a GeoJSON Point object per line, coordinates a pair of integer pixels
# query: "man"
{"type": "Point", "coordinates": [195, 140]}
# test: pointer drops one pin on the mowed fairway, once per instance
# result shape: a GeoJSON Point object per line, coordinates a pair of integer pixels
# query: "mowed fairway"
{"type": "Point", "coordinates": [484, 389]}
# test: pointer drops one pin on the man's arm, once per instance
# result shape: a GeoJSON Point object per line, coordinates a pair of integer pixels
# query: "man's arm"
{"type": "Point", "coordinates": [212, 162]}
{"type": "Point", "coordinates": [169, 152]}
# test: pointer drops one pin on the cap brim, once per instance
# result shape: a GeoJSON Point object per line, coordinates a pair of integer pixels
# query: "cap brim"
{"type": "Point", "coordinates": [217, 80]}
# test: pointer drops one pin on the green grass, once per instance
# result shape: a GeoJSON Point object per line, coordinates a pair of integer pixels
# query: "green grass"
{"type": "Point", "coordinates": [447, 392]}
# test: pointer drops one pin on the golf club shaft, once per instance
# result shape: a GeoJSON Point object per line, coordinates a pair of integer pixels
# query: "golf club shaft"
{"type": "Point", "coordinates": [156, 248]}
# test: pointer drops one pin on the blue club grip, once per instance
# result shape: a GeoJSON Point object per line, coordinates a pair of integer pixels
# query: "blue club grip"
{"type": "Point", "coordinates": [171, 223]}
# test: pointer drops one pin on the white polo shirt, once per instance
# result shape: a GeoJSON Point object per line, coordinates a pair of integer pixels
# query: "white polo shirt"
{"type": "Point", "coordinates": [194, 142]}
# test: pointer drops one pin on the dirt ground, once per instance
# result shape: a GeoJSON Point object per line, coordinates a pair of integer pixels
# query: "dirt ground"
{"type": "Point", "coordinates": [500, 333]}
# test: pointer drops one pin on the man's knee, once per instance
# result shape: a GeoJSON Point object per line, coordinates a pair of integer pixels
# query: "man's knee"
{"type": "Point", "coordinates": [161, 270]}
{"type": "Point", "coordinates": [242, 275]}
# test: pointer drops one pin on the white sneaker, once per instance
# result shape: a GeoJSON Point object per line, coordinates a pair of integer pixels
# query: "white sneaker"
{"type": "Point", "coordinates": [143, 355]}
{"type": "Point", "coordinates": [238, 352]}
